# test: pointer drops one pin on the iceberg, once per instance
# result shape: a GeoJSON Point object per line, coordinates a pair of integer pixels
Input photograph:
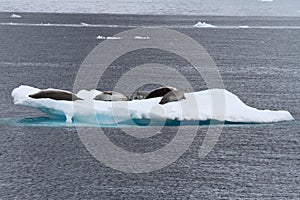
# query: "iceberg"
{"type": "Point", "coordinates": [244, 26]}
{"type": "Point", "coordinates": [113, 38]}
{"type": "Point", "coordinates": [15, 16]}
{"type": "Point", "coordinates": [141, 37]}
{"type": "Point", "coordinates": [84, 24]}
{"type": "Point", "coordinates": [204, 25]}
{"type": "Point", "coordinates": [100, 37]}
{"type": "Point", "coordinates": [198, 106]}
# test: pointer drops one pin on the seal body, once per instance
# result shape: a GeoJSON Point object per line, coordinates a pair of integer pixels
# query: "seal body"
{"type": "Point", "coordinates": [111, 96]}
{"type": "Point", "coordinates": [160, 92]}
{"type": "Point", "coordinates": [55, 95]}
{"type": "Point", "coordinates": [174, 95]}
{"type": "Point", "coordinates": [139, 95]}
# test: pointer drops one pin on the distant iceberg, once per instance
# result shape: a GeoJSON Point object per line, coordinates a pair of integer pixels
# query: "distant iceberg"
{"type": "Point", "coordinates": [15, 16]}
{"type": "Point", "coordinates": [84, 24]}
{"type": "Point", "coordinates": [100, 37]}
{"type": "Point", "coordinates": [204, 25]}
{"type": "Point", "coordinates": [244, 26]}
{"type": "Point", "coordinates": [198, 106]}
{"type": "Point", "coordinates": [113, 38]}
{"type": "Point", "coordinates": [142, 37]}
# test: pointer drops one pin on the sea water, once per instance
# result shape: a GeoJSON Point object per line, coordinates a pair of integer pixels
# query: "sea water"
{"type": "Point", "coordinates": [48, 159]}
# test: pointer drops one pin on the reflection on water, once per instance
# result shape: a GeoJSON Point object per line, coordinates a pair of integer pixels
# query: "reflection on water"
{"type": "Point", "coordinates": [53, 122]}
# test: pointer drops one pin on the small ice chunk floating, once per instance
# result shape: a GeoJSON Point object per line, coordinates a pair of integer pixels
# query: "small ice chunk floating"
{"type": "Point", "coordinates": [204, 25]}
{"type": "Point", "coordinates": [15, 16]}
{"type": "Point", "coordinates": [86, 107]}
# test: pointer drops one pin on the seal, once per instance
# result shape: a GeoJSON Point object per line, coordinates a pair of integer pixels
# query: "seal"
{"type": "Point", "coordinates": [160, 92]}
{"type": "Point", "coordinates": [174, 95]}
{"type": "Point", "coordinates": [55, 95]}
{"type": "Point", "coordinates": [111, 96]}
{"type": "Point", "coordinates": [139, 95]}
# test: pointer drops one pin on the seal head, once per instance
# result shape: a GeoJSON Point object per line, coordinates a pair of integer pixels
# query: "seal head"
{"type": "Point", "coordinates": [174, 95]}
{"type": "Point", "coordinates": [160, 92]}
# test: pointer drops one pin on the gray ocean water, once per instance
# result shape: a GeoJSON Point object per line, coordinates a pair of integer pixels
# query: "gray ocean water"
{"type": "Point", "coordinates": [159, 7]}
{"type": "Point", "coordinates": [257, 161]}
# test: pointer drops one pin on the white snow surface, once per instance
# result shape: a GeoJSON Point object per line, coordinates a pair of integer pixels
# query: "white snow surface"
{"type": "Point", "coordinates": [197, 106]}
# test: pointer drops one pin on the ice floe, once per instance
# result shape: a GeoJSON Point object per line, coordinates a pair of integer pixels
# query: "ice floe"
{"type": "Point", "coordinates": [15, 16]}
{"type": "Point", "coordinates": [198, 106]}
{"type": "Point", "coordinates": [142, 37]}
{"type": "Point", "coordinates": [100, 37]}
{"type": "Point", "coordinates": [84, 24]}
{"type": "Point", "coordinates": [204, 25]}
{"type": "Point", "coordinates": [244, 26]}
